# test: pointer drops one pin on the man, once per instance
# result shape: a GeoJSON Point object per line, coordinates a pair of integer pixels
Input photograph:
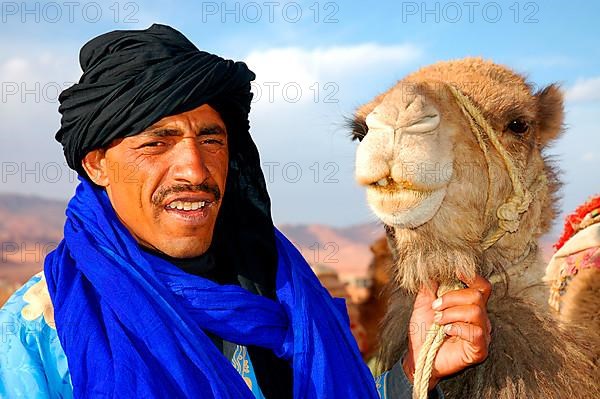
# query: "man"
{"type": "Point", "coordinates": [171, 280]}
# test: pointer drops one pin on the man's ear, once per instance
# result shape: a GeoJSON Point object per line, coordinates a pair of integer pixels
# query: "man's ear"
{"type": "Point", "coordinates": [96, 167]}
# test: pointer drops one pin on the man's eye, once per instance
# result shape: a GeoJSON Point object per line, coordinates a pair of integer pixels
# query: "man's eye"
{"type": "Point", "coordinates": [152, 144]}
{"type": "Point", "coordinates": [212, 141]}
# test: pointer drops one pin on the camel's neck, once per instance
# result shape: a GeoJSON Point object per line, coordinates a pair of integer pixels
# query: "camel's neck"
{"type": "Point", "coordinates": [522, 275]}
{"type": "Point", "coordinates": [420, 258]}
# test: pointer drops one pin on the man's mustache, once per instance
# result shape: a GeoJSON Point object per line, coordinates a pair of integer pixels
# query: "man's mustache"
{"type": "Point", "coordinates": [160, 195]}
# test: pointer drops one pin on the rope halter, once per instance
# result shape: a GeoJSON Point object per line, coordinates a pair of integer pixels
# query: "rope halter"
{"type": "Point", "coordinates": [509, 220]}
{"type": "Point", "coordinates": [509, 213]}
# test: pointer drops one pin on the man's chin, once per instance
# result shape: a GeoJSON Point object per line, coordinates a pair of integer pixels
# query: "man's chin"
{"type": "Point", "coordinates": [179, 247]}
{"type": "Point", "coordinates": [180, 239]}
{"type": "Point", "coordinates": [184, 252]}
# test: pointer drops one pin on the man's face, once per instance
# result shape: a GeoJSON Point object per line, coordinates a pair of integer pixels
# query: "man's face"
{"type": "Point", "coordinates": [166, 184]}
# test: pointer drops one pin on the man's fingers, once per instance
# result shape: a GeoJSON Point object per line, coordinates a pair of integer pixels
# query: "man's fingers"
{"type": "Point", "coordinates": [426, 295]}
{"type": "Point", "coordinates": [472, 334]}
{"type": "Point", "coordinates": [467, 296]}
{"type": "Point", "coordinates": [479, 283]}
{"type": "Point", "coordinates": [465, 331]}
{"type": "Point", "coordinates": [471, 314]}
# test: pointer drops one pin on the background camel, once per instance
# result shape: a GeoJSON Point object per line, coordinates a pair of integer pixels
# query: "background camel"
{"type": "Point", "coordinates": [330, 280]}
{"type": "Point", "coordinates": [574, 272]}
{"type": "Point", "coordinates": [373, 309]}
{"type": "Point", "coordinates": [452, 159]}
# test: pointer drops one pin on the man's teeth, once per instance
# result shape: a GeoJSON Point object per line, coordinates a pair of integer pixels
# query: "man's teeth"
{"type": "Point", "coordinates": [186, 206]}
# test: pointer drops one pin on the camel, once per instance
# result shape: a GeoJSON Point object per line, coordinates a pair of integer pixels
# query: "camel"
{"type": "Point", "coordinates": [574, 272]}
{"type": "Point", "coordinates": [453, 161]}
{"type": "Point", "coordinates": [374, 307]}
{"type": "Point", "coordinates": [329, 278]}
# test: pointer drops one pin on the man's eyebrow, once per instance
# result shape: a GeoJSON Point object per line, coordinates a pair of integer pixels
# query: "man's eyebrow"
{"type": "Point", "coordinates": [162, 132]}
{"type": "Point", "coordinates": [210, 129]}
{"type": "Point", "coordinates": [206, 130]}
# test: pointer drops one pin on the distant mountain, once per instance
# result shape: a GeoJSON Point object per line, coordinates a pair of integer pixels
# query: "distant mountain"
{"type": "Point", "coordinates": [346, 249]}
{"type": "Point", "coordinates": [30, 218]}
{"type": "Point", "coordinates": [32, 226]}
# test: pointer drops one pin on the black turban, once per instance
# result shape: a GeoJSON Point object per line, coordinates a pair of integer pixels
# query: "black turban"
{"type": "Point", "coordinates": [132, 79]}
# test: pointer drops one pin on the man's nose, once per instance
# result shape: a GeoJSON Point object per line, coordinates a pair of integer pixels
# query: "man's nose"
{"type": "Point", "coordinates": [189, 164]}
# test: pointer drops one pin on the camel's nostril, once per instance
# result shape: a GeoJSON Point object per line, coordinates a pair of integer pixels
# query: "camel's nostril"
{"type": "Point", "coordinates": [424, 124]}
{"type": "Point", "coordinates": [377, 121]}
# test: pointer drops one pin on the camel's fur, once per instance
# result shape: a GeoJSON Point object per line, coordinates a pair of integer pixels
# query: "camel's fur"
{"type": "Point", "coordinates": [531, 356]}
{"type": "Point", "coordinates": [580, 303]}
{"type": "Point", "coordinates": [580, 308]}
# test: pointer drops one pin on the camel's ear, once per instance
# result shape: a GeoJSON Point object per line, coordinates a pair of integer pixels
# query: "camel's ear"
{"type": "Point", "coordinates": [550, 114]}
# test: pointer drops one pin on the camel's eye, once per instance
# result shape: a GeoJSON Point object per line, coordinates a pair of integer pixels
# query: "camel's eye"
{"type": "Point", "coordinates": [518, 126]}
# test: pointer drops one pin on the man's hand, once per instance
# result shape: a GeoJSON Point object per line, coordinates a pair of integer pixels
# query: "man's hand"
{"type": "Point", "coordinates": [463, 315]}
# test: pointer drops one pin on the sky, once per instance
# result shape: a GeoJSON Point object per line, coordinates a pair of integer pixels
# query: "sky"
{"type": "Point", "coordinates": [316, 62]}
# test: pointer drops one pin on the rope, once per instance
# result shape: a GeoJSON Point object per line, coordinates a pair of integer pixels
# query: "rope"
{"type": "Point", "coordinates": [424, 366]}
{"type": "Point", "coordinates": [508, 214]}
{"type": "Point", "coordinates": [425, 360]}
{"type": "Point", "coordinates": [506, 220]}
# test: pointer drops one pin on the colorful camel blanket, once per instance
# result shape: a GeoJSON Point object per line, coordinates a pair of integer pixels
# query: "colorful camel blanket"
{"type": "Point", "coordinates": [577, 249]}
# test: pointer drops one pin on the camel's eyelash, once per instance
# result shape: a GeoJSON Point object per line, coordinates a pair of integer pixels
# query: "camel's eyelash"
{"type": "Point", "coordinates": [358, 128]}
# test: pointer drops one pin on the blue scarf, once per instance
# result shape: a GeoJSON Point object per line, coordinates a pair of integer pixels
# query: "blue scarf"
{"type": "Point", "coordinates": [133, 324]}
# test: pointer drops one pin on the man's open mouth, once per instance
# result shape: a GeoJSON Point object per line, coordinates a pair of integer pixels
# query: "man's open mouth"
{"type": "Point", "coordinates": [191, 208]}
{"type": "Point", "coordinates": [187, 205]}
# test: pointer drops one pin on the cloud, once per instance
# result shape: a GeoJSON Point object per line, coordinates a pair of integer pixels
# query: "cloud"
{"type": "Point", "coordinates": [584, 90]}
{"type": "Point", "coordinates": [304, 68]}
{"type": "Point", "coordinates": [36, 79]}
{"type": "Point", "coordinates": [14, 67]}
{"type": "Point", "coordinates": [589, 157]}
{"type": "Point", "coordinates": [303, 145]}
{"type": "Point", "coordinates": [302, 148]}
{"type": "Point", "coordinates": [29, 91]}
{"type": "Point", "coordinates": [300, 63]}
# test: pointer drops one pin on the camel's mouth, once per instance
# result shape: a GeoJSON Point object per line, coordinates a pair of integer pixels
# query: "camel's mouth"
{"type": "Point", "coordinates": [403, 207]}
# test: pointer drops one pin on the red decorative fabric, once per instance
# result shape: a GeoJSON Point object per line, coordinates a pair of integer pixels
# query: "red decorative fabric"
{"type": "Point", "coordinates": [573, 221]}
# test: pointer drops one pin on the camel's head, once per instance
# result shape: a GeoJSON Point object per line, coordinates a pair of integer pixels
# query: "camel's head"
{"type": "Point", "coordinates": [423, 166]}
